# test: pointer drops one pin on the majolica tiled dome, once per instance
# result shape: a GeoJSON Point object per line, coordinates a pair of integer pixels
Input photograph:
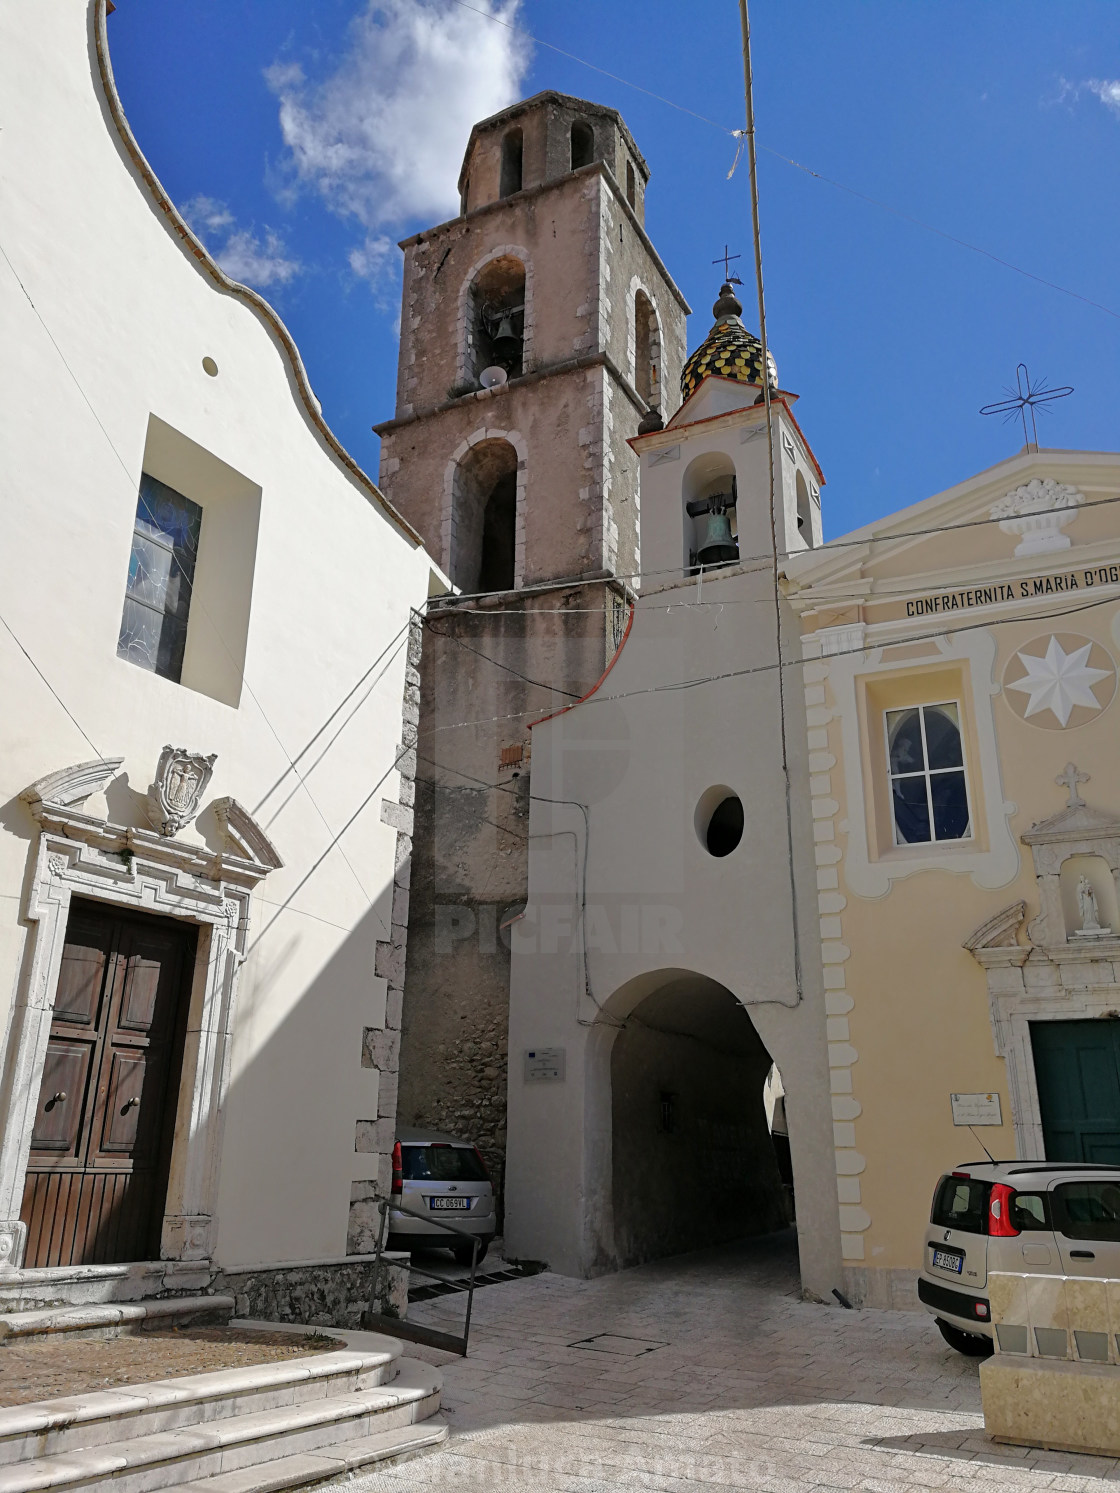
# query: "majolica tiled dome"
{"type": "Point", "coordinates": [728, 350]}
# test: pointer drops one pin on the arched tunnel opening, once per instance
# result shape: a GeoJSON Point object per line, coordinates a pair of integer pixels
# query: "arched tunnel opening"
{"type": "Point", "coordinates": [695, 1160]}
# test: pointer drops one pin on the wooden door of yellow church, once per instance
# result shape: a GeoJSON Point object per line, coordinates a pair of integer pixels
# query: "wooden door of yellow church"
{"type": "Point", "coordinates": [101, 1147]}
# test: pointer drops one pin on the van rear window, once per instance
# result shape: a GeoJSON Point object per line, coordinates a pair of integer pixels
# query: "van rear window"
{"type": "Point", "coordinates": [961, 1203]}
{"type": "Point", "coordinates": [441, 1163]}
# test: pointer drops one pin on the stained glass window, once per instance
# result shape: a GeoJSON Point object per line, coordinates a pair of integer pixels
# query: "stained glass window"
{"type": "Point", "coordinates": [160, 579]}
{"type": "Point", "coordinates": [929, 795]}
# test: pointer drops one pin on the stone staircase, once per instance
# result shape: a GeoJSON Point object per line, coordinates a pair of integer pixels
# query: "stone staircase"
{"type": "Point", "coordinates": [112, 1319]}
{"type": "Point", "coordinates": [249, 1430]}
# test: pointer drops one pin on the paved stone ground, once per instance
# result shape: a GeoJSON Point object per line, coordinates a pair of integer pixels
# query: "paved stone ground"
{"type": "Point", "coordinates": [714, 1375]}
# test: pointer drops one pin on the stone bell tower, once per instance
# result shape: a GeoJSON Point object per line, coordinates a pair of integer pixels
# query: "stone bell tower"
{"type": "Point", "coordinates": [547, 279]}
{"type": "Point", "coordinates": [539, 329]}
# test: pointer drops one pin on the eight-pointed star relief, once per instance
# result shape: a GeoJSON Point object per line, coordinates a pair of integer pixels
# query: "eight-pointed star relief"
{"type": "Point", "coordinates": [1059, 680]}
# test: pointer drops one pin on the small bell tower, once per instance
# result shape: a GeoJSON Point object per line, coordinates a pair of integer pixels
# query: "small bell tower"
{"type": "Point", "coordinates": [704, 479]}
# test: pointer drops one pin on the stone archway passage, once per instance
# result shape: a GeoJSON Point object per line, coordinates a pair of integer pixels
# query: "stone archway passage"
{"type": "Point", "coordinates": [693, 1162]}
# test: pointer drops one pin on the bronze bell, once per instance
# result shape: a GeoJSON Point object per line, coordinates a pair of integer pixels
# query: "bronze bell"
{"type": "Point", "coordinates": [719, 543]}
{"type": "Point", "coordinates": [505, 342]}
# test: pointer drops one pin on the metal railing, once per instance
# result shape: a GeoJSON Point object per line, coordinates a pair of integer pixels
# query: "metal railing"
{"type": "Point", "coordinates": [378, 1321]}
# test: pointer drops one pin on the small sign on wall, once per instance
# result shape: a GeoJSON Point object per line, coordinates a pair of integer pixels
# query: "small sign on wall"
{"type": "Point", "coordinates": [544, 1065]}
{"type": "Point", "coordinates": [976, 1109]}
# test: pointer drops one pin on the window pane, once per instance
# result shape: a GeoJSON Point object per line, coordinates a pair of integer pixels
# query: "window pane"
{"type": "Point", "coordinates": [911, 811]}
{"type": "Point", "coordinates": [455, 1164]}
{"type": "Point", "coordinates": [1088, 1210]}
{"type": "Point", "coordinates": [943, 736]}
{"type": "Point", "coordinates": [905, 735]}
{"type": "Point", "coordinates": [172, 646]}
{"type": "Point", "coordinates": [961, 1203]}
{"type": "Point", "coordinates": [950, 805]}
{"type": "Point", "coordinates": [149, 567]}
{"type": "Point", "coordinates": [139, 635]}
{"type": "Point", "coordinates": [1028, 1211]}
{"type": "Point", "coordinates": [163, 511]}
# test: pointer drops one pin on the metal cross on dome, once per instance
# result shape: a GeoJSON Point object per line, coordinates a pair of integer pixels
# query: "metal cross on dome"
{"type": "Point", "coordinates": [725, 259]}
{"type": "Point", "coordinates": [1026, 397]}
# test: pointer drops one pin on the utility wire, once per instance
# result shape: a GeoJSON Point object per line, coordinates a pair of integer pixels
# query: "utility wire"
{"type": "Point", "coordinates": [789, 161]}
{"type": "Point", "coordinates": [916, 637]}
{"type": "Point", "coordinates": [52, 689]}
{"type": "Point", "coordinates": [454, 603]}
{"type": "Point", "coordinates": [764, 355]}
{"type": "Point", "coordinates": [553, 689]}
{"type": "Point", "coordinates": [658, 689]}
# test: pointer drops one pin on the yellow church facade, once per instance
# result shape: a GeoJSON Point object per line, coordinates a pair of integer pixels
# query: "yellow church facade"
{"type": "Point", "coordinates": [960, 677]}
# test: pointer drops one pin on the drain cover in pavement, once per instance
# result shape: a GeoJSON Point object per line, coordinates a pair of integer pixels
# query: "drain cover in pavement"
{"type": "Point", "coordinates": [626, 1347]}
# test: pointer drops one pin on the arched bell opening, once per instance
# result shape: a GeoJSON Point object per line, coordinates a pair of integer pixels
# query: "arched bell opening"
{"type": "Point", "coordinates": [582, 145]}
{"type": "Point", "coordinates": [484, 518]}
{"type": "Point", "coordinates": [497, 331]}
{"type": "Point", "coordinates": [693, 1158]}
{"type": "Point", "coordinates": [711, 526]}
{"type": "Point", "coordinates": [512, 152]}
{"type": "Point", "coordinates": [647, 350]}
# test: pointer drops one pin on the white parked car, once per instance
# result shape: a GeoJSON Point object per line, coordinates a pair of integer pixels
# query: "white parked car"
{"type": "Point", "coordinates": [1039, 1217]}
{"type": "Point", "coordinates": [438, 1179]}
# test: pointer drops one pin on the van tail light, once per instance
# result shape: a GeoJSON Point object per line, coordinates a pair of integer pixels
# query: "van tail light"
{"type": "Point", "coordinates": [398, 1171]}
{"type": "Point", "coordinates": [999, 1212]}
{"type": "Point", "coordinates": [482, 1164]}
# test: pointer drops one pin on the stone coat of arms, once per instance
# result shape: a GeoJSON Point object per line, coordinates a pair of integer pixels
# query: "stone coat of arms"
{"type": "Point", "coordinates": [180, 782]}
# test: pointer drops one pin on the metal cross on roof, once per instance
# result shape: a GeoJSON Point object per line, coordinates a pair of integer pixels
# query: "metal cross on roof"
{"type": "Point", "coordinates": [1026, 396]}
{"type": "Point", "coordinates": [725, 259]}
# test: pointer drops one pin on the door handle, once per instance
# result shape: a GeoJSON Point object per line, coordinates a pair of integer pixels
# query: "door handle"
{"type": "Point", "coordinates": [129, 1103]}
{"type": "Point", "coordinates": [1082, 1254]}
{"type": "Point", "coordinates": [56, 1098]}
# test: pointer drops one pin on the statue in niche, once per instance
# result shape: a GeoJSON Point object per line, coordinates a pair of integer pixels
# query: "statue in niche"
{"type": "Point", "coordinates": [1087, 906]}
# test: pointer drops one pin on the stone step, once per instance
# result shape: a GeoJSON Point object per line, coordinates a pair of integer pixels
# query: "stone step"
{"type": "Point", "coordinates": [364, 1360]}
{"type": "Point", "coordinates": [336, 1460]}
{"type": "Point", "coordinates": [232, 1443]}
{"type": "Point", "coordinates": [112, 1319]}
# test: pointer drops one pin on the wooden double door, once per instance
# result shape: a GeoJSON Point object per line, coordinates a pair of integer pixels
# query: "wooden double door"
{"type": "Point", "coordinates": [96, 1183]}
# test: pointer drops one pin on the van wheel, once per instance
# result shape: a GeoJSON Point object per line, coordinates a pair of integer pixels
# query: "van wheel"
{"type": "Point", "coordinates": [971, 1344]}
{"type": "Point", "coordinates": [462, 1252]}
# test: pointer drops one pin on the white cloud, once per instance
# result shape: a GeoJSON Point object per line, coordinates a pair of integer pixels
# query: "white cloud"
{"type": "Point", "coordinates": [1107, 90]}
{"type": "Point", "coordinates": [381, 138]}
{"type": "Point", "coordinates": [244, 257]}
{"type": "Point", "coordinates": [370, 260]}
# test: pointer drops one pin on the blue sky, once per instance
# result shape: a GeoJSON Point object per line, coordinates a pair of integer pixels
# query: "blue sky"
{"type": "Point", "coordinates": [303, 140]}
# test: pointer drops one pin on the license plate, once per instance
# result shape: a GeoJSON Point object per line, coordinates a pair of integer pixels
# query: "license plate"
{"type": "Point", "coordinates": [948, 1259]}
{"type": "Point", "coordinates": [449, 1205]}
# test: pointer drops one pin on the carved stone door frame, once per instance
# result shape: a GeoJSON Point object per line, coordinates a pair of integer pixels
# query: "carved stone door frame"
{"type": "Point", "coordinates": [79, 854]}
{"type": "Point", "coordinates": [1053, 976]}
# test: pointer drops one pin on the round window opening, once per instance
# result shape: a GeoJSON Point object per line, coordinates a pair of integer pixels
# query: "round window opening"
{"type": "Point", "coordinates": [719, 820]}
{"type": "Point", "coordinates": [210, 367]}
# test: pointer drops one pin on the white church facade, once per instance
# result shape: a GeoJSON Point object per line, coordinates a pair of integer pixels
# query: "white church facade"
{"type": "Point", "coordinates": [207, 745]}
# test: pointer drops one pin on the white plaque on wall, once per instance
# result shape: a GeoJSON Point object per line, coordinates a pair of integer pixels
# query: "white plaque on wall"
{"type": "Point", "coordinates": [544, 1065]}
{"type": "Point", "coordinates": [976, 1109]}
